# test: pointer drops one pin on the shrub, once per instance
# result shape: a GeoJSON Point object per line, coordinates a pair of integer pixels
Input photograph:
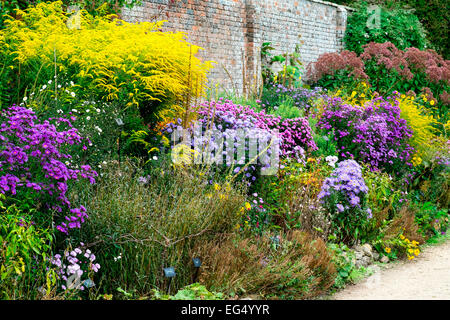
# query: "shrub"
{"type": "Point", "coordinates": [433, 171]}
{"type": "Point", "coordinates": [401, 27]}
{"type": "Point", "coordinates": [294, 133]}
{"type": "Point", "coordinates": [291, 196]}
{"type": "Point", "coordinates": [387, 69]}
{"type": "Point", "coordinates": [8, 7]}
{"type": "Point", "coordinates": [35, 159]}
{"type": "Point", "coordinates": [296, 266]}
{"type": "Point", "coordinates": [344, 196]}
{"type": "Point", "coordinates": [374, 134]}
{"type": "Point", "coordinates": [383, 195]}
{"type": "Point", "coordinates": [117, 61]}
{"type": "Point", "coordinates": [421, 124]}
{"type": "Point", "coordinates": [337, 69]}
{"type": "Point", "coordinates": [141, 223]}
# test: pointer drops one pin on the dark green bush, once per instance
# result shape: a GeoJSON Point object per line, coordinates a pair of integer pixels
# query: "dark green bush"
{"type": "Point", "coordinates": [399, 26]}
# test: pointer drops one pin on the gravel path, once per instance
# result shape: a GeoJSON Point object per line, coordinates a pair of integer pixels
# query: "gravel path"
{"type": "Point", "coordinates": [425, 278]}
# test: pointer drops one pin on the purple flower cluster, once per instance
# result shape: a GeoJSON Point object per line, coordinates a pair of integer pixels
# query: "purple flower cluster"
{"type": "Point", "coordinates": [347, 180]}
{"type": "Point", "coordinates": [73, 266]}
{"type": "Point", "coordinates": [374, 133]}
{"type": "Point", "coordinates": [293, 133]}
{"type": "Point", "coordinates": [31, 157]}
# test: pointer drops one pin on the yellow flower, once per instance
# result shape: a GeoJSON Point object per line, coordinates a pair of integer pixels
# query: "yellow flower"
{"type": "Point", "coordinates": [248, 206]}
{"type": "Point", "coordinates": [425, 99]}
{"type": "Point", "coordinates": [362, 95]}
{"type": "Point", "coordinates": [432, 102]}
{"type": "Point", "coordinates": [416, 252]}
{"type": "Point", "coordinates": [216, 187]}
{"type": "Point", "coordinates": [388, 250]}
{"type": "Point", "coordinates": [410, 251]}
{"type": "Point", "coordinates": [415, 243]}
{"type": "Point", "coordinates": [402, 237]}
{"type": "Point", "coordinates": [223, 196]}
{"type": "Point", "coordinates": [410, 257]}
{"type": "Point", "coordinates": [311, 160]}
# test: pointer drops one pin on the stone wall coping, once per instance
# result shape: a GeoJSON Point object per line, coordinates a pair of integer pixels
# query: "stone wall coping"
{"type": "Point", "coordinates": [333, 4]}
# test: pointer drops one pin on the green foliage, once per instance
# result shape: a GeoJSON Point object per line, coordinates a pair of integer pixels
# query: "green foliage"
{"type": "Point", "coordinates": [292, 67]}
{"type": "Point", "coordinates": [194, 291]}
{"type": "Point", "coordinates": [401, 27]}
{"type": "Point", "coordinates": [431, 220]}
{"type": "Point", "coordinates": [24, 253]}
{"type": "Point", "coordinates": [287, 110]}
{"type": "Point", "coordinates": [343, 259]}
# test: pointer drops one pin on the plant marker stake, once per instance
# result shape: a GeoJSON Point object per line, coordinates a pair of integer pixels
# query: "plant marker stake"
{"type": "Point", "coordinates": [120, 124]}
{"type": "Point", "coordinates": [169, 273]}
{"type": "Point", "coordinates": [197, 265]}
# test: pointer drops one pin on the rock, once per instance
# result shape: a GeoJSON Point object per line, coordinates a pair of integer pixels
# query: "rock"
{"type": "Point", "coordinates": [359, 255]}
{"type": "Point", "coordinates": [384, 259]}
{"type": "Point", "coordinates": [365, 261]}
{"type": "Point", "coordinates": [376, 256]}
{"type": "Point", "coordinates": [367, 249]}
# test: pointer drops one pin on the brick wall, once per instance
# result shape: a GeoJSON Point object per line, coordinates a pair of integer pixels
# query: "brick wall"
{"type": "Point", "coordinates": [232, 31]}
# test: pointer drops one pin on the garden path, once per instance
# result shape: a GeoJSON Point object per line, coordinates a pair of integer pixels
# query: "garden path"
{"type": "Point", "coordinates": [425, 278]}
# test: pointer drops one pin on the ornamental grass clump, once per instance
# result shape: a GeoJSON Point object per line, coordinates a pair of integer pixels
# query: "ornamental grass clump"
{"type": "Point", "coordinates": [343, 194]}
{"type": "Point", "coordinates": [35, 165]}
{"type": "Point", "coordinates": [141, 222]}
{"type": "Point", "coordinates": [374, 133]}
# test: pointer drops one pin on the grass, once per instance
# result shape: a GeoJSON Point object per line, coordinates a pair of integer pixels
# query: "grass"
{"type": "Point", "coordinates": [137, 229]}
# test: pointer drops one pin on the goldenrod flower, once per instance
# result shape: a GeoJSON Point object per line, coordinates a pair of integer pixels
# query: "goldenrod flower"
{"type": "Point", "coordinates": [416, 252]}
{"type": "Point", "coordinates": [388, 250]}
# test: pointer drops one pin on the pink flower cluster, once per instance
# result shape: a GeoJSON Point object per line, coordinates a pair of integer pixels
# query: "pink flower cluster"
{"type": "Point", "coordinates": [409, 62]}
{"type": "Point", "coordinates": [294, 133]}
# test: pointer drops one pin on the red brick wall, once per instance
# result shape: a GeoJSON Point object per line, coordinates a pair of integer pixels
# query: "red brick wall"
{"type": "Point", "coordinates": [232, 31]}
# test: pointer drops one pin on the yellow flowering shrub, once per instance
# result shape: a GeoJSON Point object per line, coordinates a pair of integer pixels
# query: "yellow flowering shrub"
{"type": "Point", "coordinates": [420, 123]}
{"type": "Point", "coordinates": [136, 64]}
